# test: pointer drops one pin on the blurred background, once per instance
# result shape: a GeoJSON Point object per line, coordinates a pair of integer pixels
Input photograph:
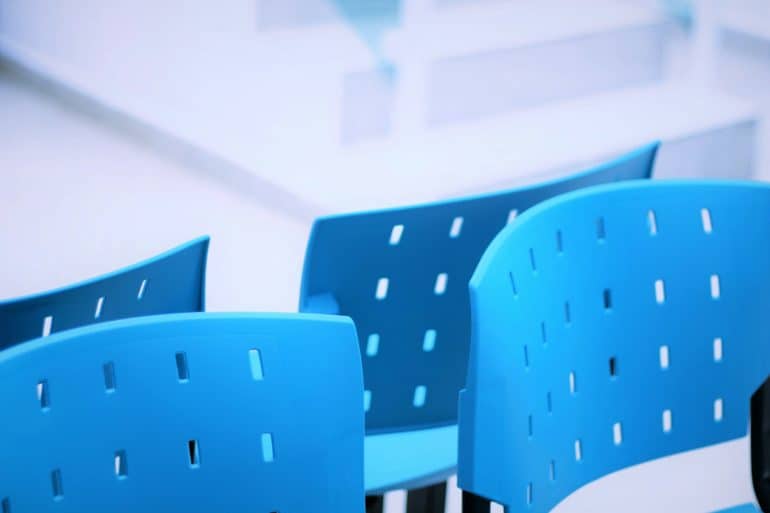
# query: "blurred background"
{"type": "Point", "coordinates": [129, 127]}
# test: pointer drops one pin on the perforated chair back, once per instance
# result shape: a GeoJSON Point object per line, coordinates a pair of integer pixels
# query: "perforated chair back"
{"type": "Point", "coordinates": [171, 282]}
{"type": "Point", "coordinates": [186, 412]}
{"type": "Point", "coordinates": [402, 275]}
{"type": "Point", "coordinates": [612, 326]}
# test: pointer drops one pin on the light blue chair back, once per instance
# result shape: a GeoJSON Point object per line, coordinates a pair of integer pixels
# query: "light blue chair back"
{"type": "Point", "coordinates": [186, 412]}
{"type": "Point", "coordinates": [402, 275]}
{"type": "Point", "coordinates": [613, 326]}
{"type": "Point", "coordinates": [171, 282]}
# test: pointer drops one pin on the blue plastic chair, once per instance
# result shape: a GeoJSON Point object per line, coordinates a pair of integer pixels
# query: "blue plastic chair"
{"type": "Point", "coordinates": [186, 412]}
{"type": "Point", "coordinates": [613, 326]}
{"type": "Point", "coordinates": [402, 275]}
{"type": "Point", "coordinates": [171, 282]}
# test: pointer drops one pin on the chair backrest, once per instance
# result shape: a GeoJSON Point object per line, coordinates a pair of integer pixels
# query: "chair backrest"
{"type": "Point", "coordinates": [612, 326]}
{"type": "Point", "coordinates": [185, 412]}
{"type": "Point", "coordinates": [172, 282]}
{"type": "Point", "coordinates": [402, 275]}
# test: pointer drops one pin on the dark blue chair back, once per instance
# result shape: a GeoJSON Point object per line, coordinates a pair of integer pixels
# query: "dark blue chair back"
{"type": "Point", "coordinates": [402, 275]}
{"type": "Point", "coordinates": [171, 282]}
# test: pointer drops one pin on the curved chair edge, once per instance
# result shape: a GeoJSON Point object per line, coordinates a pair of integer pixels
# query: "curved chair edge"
{"type": "Point", "coordinates": [651, 148]}
{"type": "Point", "coordinates": [202, 241]}
{"type": "Point", "coordinates": [59, 337]}
{"type": "Point", "coordinates": [743, 508]}
{"type": "Point", "coordinates": [500, 238]}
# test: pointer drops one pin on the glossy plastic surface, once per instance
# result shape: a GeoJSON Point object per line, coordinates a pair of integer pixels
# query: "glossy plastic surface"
{"type": "Point", "coordinates": [743, 508]}
{"type": "Point", "coordinates": [187, 412]}
{"type": "Point", "coordinates": [402, 275]}
{"type": "Point", "coordinates": [409, 459]}
{"type": "Point", "coordinates": [613, 326]}
{"type": "Point", "coordinates": [172, 282]}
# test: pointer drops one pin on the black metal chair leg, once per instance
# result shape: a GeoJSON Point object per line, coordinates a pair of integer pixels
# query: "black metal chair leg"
{"type": "Point", "coordinates": [375, 503]}
{"type": "Point", "coordinates": [475, 504]}
{"type": "Point", "coordinates": [760, 444]}
{"type": "Point", "coordinates": [430, 499]}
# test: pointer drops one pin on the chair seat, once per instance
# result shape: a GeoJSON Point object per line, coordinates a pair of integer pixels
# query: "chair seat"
{"type": "Point", "coordinates": [409, 459]}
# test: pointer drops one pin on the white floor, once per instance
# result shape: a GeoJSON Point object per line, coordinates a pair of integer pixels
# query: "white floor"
{"type": "Point", "coordinates": [79, 193]}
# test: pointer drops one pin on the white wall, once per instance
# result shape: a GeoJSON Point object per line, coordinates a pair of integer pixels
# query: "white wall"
{"type": "Point", "coordinates": [200, 70]}
{"type": "Point", "coordinates": [283, 87]}
{"type": "Point", "coordinates": [78, 199]}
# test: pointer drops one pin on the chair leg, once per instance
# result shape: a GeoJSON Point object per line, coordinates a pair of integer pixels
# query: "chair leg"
{"type": "Point", "coordinates": [430, 499]}
{"type": "Point", "coordinates": [475, 504]}
{"type": "Point", "coordinates": [375, 503]}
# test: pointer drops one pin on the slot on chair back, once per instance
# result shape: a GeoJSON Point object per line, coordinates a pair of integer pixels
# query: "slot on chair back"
{"type": "Point", "coordinates": [610, 327]}
{"type": "Point", "coordinates": [185, 412]}
{"type": "Point", "coordinates": [401, 275]}
{"type": "Point", "coordinates": [172, 282]}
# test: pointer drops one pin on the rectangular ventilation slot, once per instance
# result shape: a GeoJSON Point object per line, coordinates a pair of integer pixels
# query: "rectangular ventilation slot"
{"type": "Point", "coordinates": [718, 349]}
{"type": "Point", "coordinates": [513, 285]}
{"type": "Point", "coordinates": [419, 396]}
{"type": "Point", "coordinates": [255, 363]}
{"type": "Point", "coordinates": [367, 400]}
{"type": "Point", "coordinates": [617, 433]}
{"type": "Point", "coordinates": [663, 357]}
{"type": "Point", "coordinates": [532, 259]}
{"type": "Point", "coordinates": [47, 325]}
{"type": "Point", "coordinates": [718, 410]}
{"type": "Point", "coordinates": [395, 234]}
{"type": "Point", "coordinates": [43, 395]}
{"type": "Point", "coordinates": [529, 426]}
{"type": "Point", "coordinates": [429, 341]}
{"type": "Point", "coordinates": [512, 215]}
{"type": "Point", "coordinates": [121, 465]}
{"type": "Point", "coordinates": [607, 296]}
{"type": "Point", "coordinates": [600, 233]}
{"type": "Point", "coordinates": [578, 450]}
{"type": "Point", "coordinates": [666, 421]}
{"type": "Point", "coordinates": [372, 344]}
{"type": "Point", "coordinates": [142, 287]}
{"type": "Point", "coordinates": [193, 453]}
{"type": "Point", "coordinates": [182, 371]}
{"type": "Point", "coordinates": [268, 452]}
{"type": "Point", "coordinates": [440, 286]}
{"type": "Point", "coordinates": [526, 356]}
{"type": "Point", "coordinates": [715, 292]}
{"type": "Point", "coordinates": [613, 367]}
{"type": "Point", "coordinates": [559, 248]}
{"type": "Point", "coordinates": [529, 494]}
{"type": "Point", "coordinates": [5, 505]}
{"type": "Point", "coordinates": [56, 485]}
{"type": "Point", "coordinates": [382, 289]}
{"type": "Point", "coordinates": [552, 470]}
{"type": "Point", "coordinates": [457, 226]}
{"type": "Point", "coordinates": [109, 377]}
{"type": "Point", "coordinates": [705, 217]}
{"type": "Point", "coordinates": [99, 304]}
{"type": "Point", "coordinates": [567, 315]}
{"type": "Point", "coordinates": [549, 404]}
{"type": "Point", "coordinates": [572, 383]}
{"type": "Point", "coordinates": [652, 222]}
{"type": "Point", "coordinates": [660, 291]}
